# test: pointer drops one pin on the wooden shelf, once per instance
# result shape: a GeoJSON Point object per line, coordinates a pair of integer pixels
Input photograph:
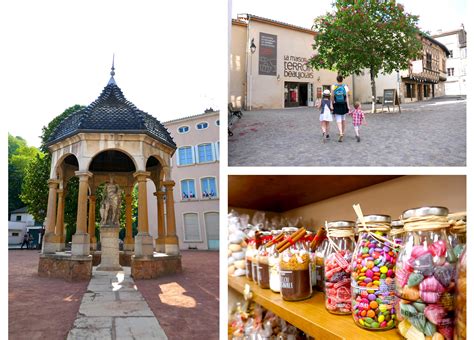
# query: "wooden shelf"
{"type": "Point", "coordinates": [310, 315]}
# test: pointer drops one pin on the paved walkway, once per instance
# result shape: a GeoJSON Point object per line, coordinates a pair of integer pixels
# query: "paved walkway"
{"type": "Point", "coordinates": [429, 133]}
{"type": "Point", "coordinates": [113, 308]}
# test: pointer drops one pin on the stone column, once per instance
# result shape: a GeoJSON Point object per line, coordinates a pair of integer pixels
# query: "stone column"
{"type": "Point", "coordinates": [171, 240]}
{"type": "Point", "coordinates": [160, 241]}
{"type": "Point", "coordinates": [91, 222]}
{"type": "Point", "coordinates": [81, 240]}
{"type": "Point", "coordinates": [128, 243]}
{"type": "Point", "coordinates": [50, 240]}
{"type": "Point", "coordinates": [60, 220]}
{"type": "Point", "coordinates": [143, 240]}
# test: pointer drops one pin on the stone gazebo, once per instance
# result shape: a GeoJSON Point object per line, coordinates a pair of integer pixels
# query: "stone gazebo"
{"type": "Point", "coordinates": [110, 139]}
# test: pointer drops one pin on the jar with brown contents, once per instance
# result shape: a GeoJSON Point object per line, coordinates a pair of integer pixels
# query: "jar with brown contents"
{"type": "Point", "coordinates": [461, 309]}
{"type": "Point", "coordinates": [263, 278]}
{"type": "Point", "coordinates": [295, 279]}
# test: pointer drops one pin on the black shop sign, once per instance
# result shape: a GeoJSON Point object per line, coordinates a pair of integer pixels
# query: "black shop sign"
{"type": "Point", "coordinates": [267, 55]}
{"type": "Point", "coordinates": [296, 67]}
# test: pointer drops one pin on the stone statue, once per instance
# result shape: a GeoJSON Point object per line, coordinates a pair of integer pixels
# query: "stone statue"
{"type": "Point", "coordinates": [111, 202]}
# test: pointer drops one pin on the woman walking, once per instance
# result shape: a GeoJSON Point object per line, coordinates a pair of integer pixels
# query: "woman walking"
{"type": "Point", "coordinates": [340, 105]}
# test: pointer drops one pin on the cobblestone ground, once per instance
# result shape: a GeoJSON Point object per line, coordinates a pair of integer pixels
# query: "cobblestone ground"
{"type": "Point", "coordinates": [39, 308]}
{"type": "Point", "coordinates": [187, 304]}
{"type": "Point", "coordinates": [430, 133]}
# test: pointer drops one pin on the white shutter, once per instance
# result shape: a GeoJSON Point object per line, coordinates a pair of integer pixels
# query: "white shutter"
{"type": "Point", "coordinates": [195, 154]}
{"type": "Point", "coordinates": [191, 227]}
{"type": "Point", "coordinates": [216, 146]}
{"type": "Point", "coordinates": [177, 157]}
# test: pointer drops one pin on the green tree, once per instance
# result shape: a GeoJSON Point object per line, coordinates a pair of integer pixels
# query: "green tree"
{"type": "Point", "coordinates": [19, 156]}
{"type": "Point", "coordinates": [34, 192]}
{"type": "Point", "coordinates": [365, 34]}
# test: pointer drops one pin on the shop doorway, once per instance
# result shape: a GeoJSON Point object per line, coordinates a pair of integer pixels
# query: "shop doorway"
{"type": "Point", "coordinates": [296, 94]}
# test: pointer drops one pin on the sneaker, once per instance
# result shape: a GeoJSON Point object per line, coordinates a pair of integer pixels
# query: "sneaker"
{"type": "Point", "coordinates": [341, 137]}
{"type": "Point", "coordinates": [327, 136]}
{"type": "Point", "coordinates": [358, 138]}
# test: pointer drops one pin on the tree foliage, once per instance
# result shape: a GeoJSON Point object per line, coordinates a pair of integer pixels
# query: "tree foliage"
{"type": "Point", "coordinates": [19, 156]}
{"type": "Point", "coordinates": [365, 34]}
{"type": "Point", "coordinates": [34, 192]}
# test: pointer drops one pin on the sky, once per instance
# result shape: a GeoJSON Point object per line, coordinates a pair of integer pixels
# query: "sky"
{"type": "Point", "coordinates": [170, 57]}
{"type": "Point", "coordinates": [434, 14]}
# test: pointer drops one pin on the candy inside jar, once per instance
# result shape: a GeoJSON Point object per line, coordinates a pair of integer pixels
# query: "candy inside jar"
{"type": "Point", "coordinates": [425, 276]}
{"type": "Point", "coordinates": [263, 278]}
{"type": "Point", "coordinates": [373, 275]}
{"type": "Point", "coordinates": [396, 232]}
{"type": "Point", "coordinates": [338, 255]}
{"type": "Point", "coordinates": [461, 288]}
{"type": "Point", "coordinates": [295, 281]}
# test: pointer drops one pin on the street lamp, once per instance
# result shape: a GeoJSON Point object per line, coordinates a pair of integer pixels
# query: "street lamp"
{"type": "Point", "coordinates": [253, 48]}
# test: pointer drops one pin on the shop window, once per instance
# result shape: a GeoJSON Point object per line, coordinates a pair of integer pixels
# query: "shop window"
{"type": "Point", "coordinates": [450, 71]}
{"type": "Point", "coordinates": [205, 153]}
{"type": "Point", "coordinates": [202, 126]}
{"type": "Point", "coordinates": [426, 90]}
{"type": "Point", "coordinates": [188, 190]}
{"type": "Point", "coordinates": [183, 129]}
{"type": "Point", "coordinates": [409, 90]}
{"type": "Point", "coordinates": [208, 187]}
{"type": "Point", "coordinates": [18, 217]}
{"type": "Point", "coordinates": [191, 227]}
{"type": "Point", "coordinates": [185, 155]}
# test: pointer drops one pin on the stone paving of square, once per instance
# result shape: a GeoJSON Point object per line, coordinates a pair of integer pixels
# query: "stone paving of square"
{"type": "Point", "coordinates": [180, 306]}
{"type": "Point", "coordinates": [428, 133]}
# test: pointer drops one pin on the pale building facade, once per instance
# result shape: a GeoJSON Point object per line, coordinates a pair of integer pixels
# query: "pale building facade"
{"type": "Point", "coordinates": [423, 79]}
{"type": "Point", "coordinates": [456, 64]}
{"type": "Point", "coordinates": [18, 225]}
{"type": "Point", "coordinates": [195, 170]}
{"type": "Point", "coordinates": [268, 65]}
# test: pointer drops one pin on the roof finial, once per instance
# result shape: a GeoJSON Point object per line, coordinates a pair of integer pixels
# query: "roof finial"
{"type": "Point", "coordinates": [112, 72]}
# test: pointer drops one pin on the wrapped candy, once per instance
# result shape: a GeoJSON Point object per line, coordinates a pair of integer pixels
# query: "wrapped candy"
{"type": "Point", "coordinates": [373, 275]}
{"type": "Point", "coordinates": [425, 273]}
{"type": "Point", "coordinates": [461, 306]}
{"type": "Point", "coordinates": [337, 269]}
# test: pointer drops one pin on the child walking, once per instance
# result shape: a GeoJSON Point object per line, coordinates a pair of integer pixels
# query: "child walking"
{"type": "Point", "coordinates": [357, 118]}
{"type": "Point", "coordinates": [326, 115]}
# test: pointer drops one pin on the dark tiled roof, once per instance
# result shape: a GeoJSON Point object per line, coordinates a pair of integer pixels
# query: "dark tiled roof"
{"type": "Point", "coordinates": [111, 112]}
{"type": "Point", "coordinates": [20, 210]}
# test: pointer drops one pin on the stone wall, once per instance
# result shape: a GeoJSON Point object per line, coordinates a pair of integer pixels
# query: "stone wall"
{"type": "Point", "coordinates": [151, 268]}
{"type": "Point", "coordinates": [65, 267]}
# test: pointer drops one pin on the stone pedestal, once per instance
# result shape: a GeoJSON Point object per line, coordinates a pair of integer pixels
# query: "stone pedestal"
{"type": "Point", "coordinates": [143, 244]}
{"type": "Point", "coordinates": [52, 243]}
{"type": "Point", "coordinates": [109, 241]}
{"type": "Point", "coordinates": [129, 244]}
{"type": "Point", "coordinates": [151, 267]}
{"type": "Point", "coordinates": [80, 244]}
{"type": "Point", "coordinates": [65, 266]}
{"type": "Point", "coordinates": [160, 245]}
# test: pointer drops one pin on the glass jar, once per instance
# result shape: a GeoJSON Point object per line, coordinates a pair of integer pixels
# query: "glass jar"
{"type": "Point", "coordinates": [457, 232]}
{"type": "Point", "coordinates": [249, 253]}
{"type": "Point", "coordinates": [313, 245]}
{"type": "Point", "coordinates": [295, 275]}
{"type": "Point", "coordinates": [263, 278]}
{"type": "Point", "coordinates": [373, 275]}
{"type": "Point", "coordinates": [425, 275]}
{"type": "Point", "coordinates": [274, 262]}
{"type": "Point", "coordinates": [397, 232]}
{"type": "Point", "coordinates": [319, 263]}
{"type": "Point", "coordinates": [337, 269]}
{"type": "Point", "coordinates": [461, 287]}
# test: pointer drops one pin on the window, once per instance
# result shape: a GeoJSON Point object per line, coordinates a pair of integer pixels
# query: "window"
{"type": "Point", "coordinates": [450, 71]}
{"type": "Point", "coordinates": [15, 234]}
{"type": "Point", "coordinates": [428, 61]}
{"type": "Point", "coordinates": [185, 155]}
{"type": "Point", "coordinates": [205, 153]}
{"type": "Point", "coordinates": [426, 90]}
{"type": "Point", "coordinates": [191, 227]}
{"type": "Point", "coordinates": [18, 217]}
{"type": "Point", "coordinates": [218, 122]}
{"type": "Point", "coordinates": [187, 189]}
{"type": "Point", "coordinates": [208, 187]}
{"type": "Point", "coordinates": [202, 126]}
{"type": "Point", "coordinates": [183, 129]}
{"type": "Point", "coordinates": [217, 150]}
{"type": "Point", "coordinates": [409, 91]}
{"type": "Point", "coordinates": [450, 54]}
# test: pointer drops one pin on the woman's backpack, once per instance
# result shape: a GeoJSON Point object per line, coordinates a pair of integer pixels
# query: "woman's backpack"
{"type": "Point", "coordinates": [340, 93]}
